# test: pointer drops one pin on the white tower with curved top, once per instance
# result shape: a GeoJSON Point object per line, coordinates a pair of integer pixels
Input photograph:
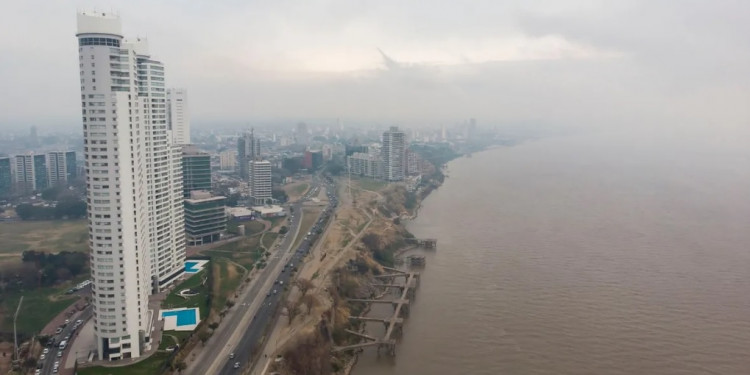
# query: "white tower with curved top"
{"type": "Point", "coordinates": [134, 241]}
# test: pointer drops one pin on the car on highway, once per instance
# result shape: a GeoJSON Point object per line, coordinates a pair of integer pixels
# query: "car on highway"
{"type": "Point", "coordinates": [236, 365]}
{"type": "Point", "coordinates": [42, 357]}
{"type": "Point", "coordinates": [274, 291]}
{"type": "Point", "coordinates": [45, 351]}
{"type": "Point", "coordinates": [58, 330]}
{"type": "Point", "coordinates": [231, 355]}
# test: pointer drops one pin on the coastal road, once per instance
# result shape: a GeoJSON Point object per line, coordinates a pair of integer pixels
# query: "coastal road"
{"type": "Point", "coordinates": [254, 308]}
{"type": "Point", "coordinates": [54, 350]}
{"type": "Point", "coordinates": [250, 343]}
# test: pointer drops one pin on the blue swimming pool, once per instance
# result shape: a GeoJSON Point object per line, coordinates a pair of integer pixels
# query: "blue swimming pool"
{"type": "Point", "coordinates": [184, 317]}
{"type": "Point", "coordinates": [191, 267]}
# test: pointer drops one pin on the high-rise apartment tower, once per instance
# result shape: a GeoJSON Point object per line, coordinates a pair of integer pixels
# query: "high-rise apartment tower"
{"type": "Point", "coordinates": [134, 184]}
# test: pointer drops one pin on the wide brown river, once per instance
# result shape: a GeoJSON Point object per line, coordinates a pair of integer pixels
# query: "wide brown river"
{"type": "Point", "coordinates": [590, 254]}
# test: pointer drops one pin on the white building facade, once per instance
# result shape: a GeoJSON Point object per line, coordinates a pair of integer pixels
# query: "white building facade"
{"type": "Point", "coordinates": [135, 232]}
{"type": "Point", "coordinates": [260, 181]}
{"type": "Point", "coordinates": [178, 117]}
{"type": "Point", "coordinates": [394, 154]}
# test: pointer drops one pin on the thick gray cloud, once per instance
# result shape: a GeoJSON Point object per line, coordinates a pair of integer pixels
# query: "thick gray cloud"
{"type": "Point", "coordinates": [577, 63]}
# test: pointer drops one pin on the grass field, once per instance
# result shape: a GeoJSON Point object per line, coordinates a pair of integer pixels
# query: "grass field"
{"type": "Point", "coordinates": [369, 183]}
{"type": "Point", "coordinates": [300, 189]}
{"type": "Point", "coordinates": [296, 189]}
{"type": "Point", "coordinates": [38, 308]}
{"type": "Point", "coordinates": [194, 283]}
{"type": "Point", "coordinates": [227, 277]}
{"type": "Point", "coordinates": [268, 239]}
{"type": "Point", "coordinates": [49, 236]}
{"type": "Point", "coordinates": [148, 366]}
{"type": "Point", "coordinates": [310, 215]}
{"type": "Point", "coordinates": [253, 227]}
{"type": "Point", "coordinates": [245, 251]}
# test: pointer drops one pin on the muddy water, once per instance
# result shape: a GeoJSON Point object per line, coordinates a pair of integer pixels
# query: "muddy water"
{"type": "Point", "coordinates": [604, 254]}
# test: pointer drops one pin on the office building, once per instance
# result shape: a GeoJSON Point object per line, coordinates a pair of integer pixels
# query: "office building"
{"type": "Point", "coordinates": [205, 218]}
{"type": "Point", "coordinates": [248, 149]}
{"type": "Point", "coordinates": [260, 182]}
{"type": "Point", "coordinates": [6, 176]}
{"type": "Point", "coordinates": [394, 154]}
{"type": "Point", "coordinates": [196, 170]}
{"type": "Point", "coordinates": [178, 118]}
{"type": "Point", "coordinates": [133, 174]}
{"type": "Point", "coordinates": [312, 160]}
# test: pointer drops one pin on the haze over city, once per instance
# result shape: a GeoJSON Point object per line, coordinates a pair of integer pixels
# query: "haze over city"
{"type": "Point", "coordinates": [563, 63]}
{"type": "Point", "coordinates": [330, 187]}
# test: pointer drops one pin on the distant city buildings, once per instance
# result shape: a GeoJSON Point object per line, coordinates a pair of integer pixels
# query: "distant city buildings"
{"type": "Point", "coordinates": [394, 154]}
{"type": "Point", "coordinates": [260, 185]}
{"type": "Point", "coordinates": [178, 118]}
{"type": "Point", "coordinates": [228, 160]}
{"type": "Point", "coordinates": [302, 136]}
{"type": "Point", "coordinates": [413, 163]}
{"type": "Point", "coordinates": [248, 149]}
{"type": "Point", "coordinates": [61, 167]}
{"type": "Point", "coordinates": [6, 177]}
{"type": "Point", "coordinates": [35, 172]}
{"type": "Point", "coordinates": [312, 160]}
{"type": "Point", "coordinates": [366, 165]}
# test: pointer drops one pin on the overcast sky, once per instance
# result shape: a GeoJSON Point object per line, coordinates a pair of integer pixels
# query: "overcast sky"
{"type": "Point", "coordinates": [574, 62]}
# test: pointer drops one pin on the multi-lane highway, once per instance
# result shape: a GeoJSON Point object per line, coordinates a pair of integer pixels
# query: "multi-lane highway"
{"type": "Point", "coordinates": [230, 349]}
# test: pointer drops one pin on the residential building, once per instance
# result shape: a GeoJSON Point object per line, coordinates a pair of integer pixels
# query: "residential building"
{"type": "Point", "coordinates": [196, 170]}
{"type": "Point", "coordinates": [61, 167]}
{"type": "Point", "coordinates": [394, 154]}
{"type": "Point", "coordinates": [260, 181]}
{"type": "Point", "coordinates": [248, 149]}
{"type": "Point", "coordinates": [133, 176]}
{"type": "Point", "coordinates": [228, 160]}
{"type": "Point", "coordinates": [30, 171]}
{"type": "Point", "coordinates": [163, 172]}
{"type": "Point", "coordinates": [6, 176]}
{"type": "Point", "coordinates": [205, 218]}
{"type": "Point", "coordinates": [178, 118]}
{"type": "Point", "coordinates": [413, 163]}
{"type": "Point", "coordinates": [366, 165]}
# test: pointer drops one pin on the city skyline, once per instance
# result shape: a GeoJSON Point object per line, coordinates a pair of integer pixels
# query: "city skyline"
{"type": "Point", "coordinates": [566, 63]}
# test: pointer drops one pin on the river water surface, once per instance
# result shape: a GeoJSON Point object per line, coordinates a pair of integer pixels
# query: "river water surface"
{"type": "Point", "coordinates": [596, 254]}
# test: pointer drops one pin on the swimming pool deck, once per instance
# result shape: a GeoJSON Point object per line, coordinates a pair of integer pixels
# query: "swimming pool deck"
{"type": "Point", "coordinates": [194, 266]}
{"type": "Point", "coordinates": [182, 319]}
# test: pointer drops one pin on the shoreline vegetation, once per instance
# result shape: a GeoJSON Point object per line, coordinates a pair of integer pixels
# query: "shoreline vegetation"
{"type": "Point", "coordinates": [381, 243]}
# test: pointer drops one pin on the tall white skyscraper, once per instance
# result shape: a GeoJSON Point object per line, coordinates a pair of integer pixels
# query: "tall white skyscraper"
{"type": "Point", "coordinates": [260, 181]}
{"type": "Point", "coordinates": [135, 208]}
{"type": "Point", "coordinates": [394, 154]}
{"type": "Point", "coordinates": [178, 118]}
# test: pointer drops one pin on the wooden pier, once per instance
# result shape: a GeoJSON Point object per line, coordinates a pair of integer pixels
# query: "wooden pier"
{"type": "Point", "coordinates": [427, 243]}
{"type": "Point", "coordinates": [394, 323]}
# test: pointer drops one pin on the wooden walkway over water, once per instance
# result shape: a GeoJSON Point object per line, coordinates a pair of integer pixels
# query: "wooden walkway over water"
{"type": "Point", "coordinates": [394, 323]}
